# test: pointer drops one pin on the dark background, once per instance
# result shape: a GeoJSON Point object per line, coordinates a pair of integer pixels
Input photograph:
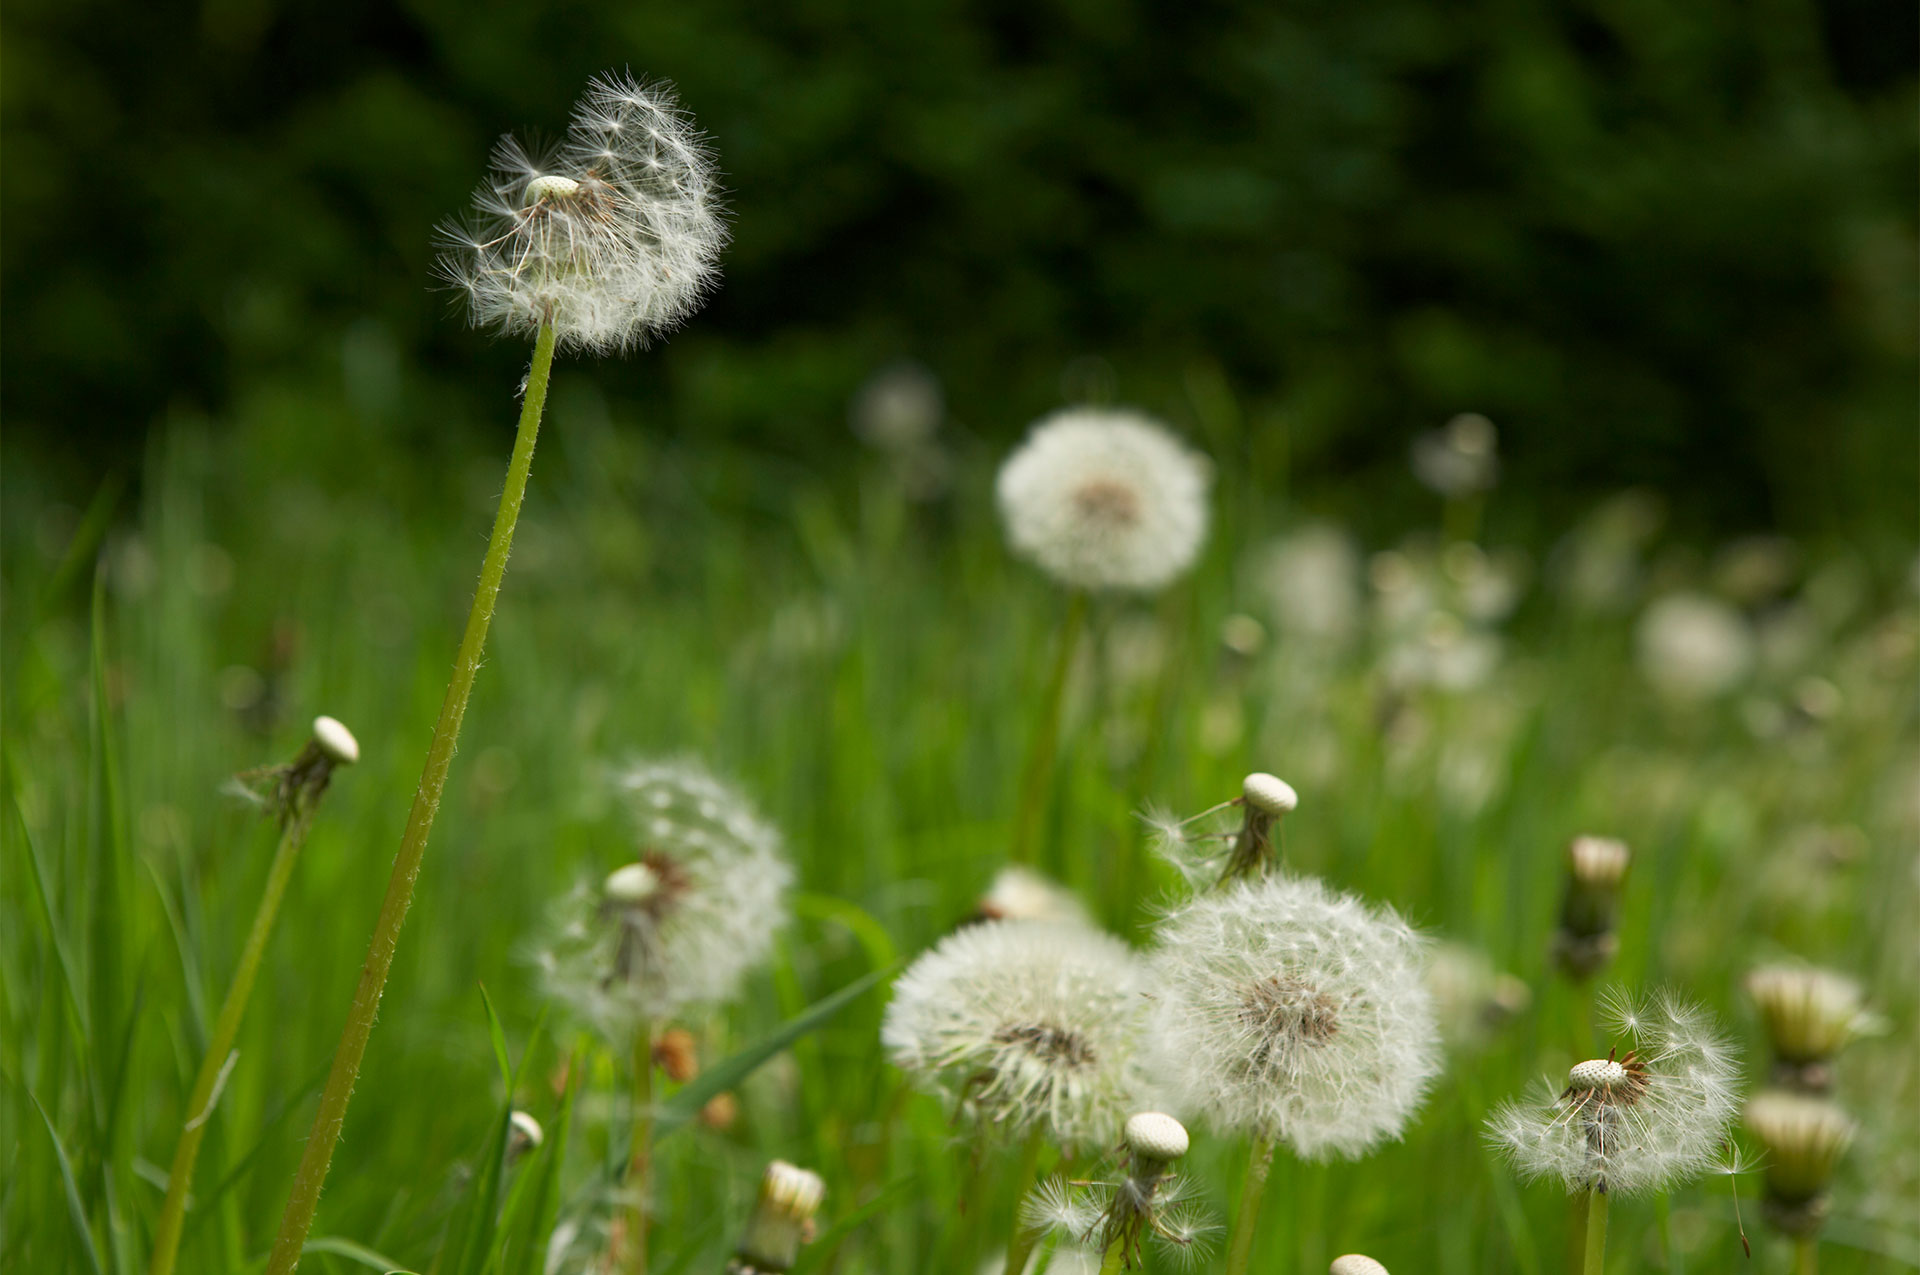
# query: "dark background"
{"type": "Point", "coordinates": [1660, 244]}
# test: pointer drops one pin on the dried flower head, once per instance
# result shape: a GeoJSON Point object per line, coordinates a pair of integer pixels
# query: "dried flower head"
{"type": "Point", "coordinates": [1021, 894]}
{"type": "Point", "coordinates": [1810, 1015]}
{"type": "Point", "coordinates": [1288, 1010]}
{"type": "Point", "coordinates": [1356, 1264]}
{"type": "Point", "coordinates": [611, 238]}
{"type": "Point", "coordinates": [1585, 941]}
{"type": "Point", "coordinates": [1645, 1120]}
{"type": "Point", "coordinates": [1026, 1025]}
{"type": "Point", "coordinates": [1804, 1139]}
{"type": "Point", "coordinates": [682, 923]}
{"type": "Point", "coordinates": [290, 792]}
{"type": "Point", "coordinates": [1105, 499]}
{"type": "Point", "coordinates": [782, 1220]}
{"type": "Point", "coordinates": [1143, 1202]}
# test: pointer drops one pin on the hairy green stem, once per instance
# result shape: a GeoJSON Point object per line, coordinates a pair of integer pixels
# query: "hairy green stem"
{"type": "Point", "coordinates": [1046, 735]}
{"type": "Point", "coordinates": [640, 1151]}
{"type": "Point", "coordinates": [332, 1114]}
{"type": "Point", "coordinates": [219, 1058]}
{"type": "Point", "coordinates": [1595, 1261]}
{"type": "Point", "coordinates": [1240, 1248]}
{"type": "Point", "coordinates": [1023, 1239]}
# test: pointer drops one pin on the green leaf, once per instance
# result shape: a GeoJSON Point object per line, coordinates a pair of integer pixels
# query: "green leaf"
{"type": "Point", "coordinates": [339, 1246]}
{"type": "Point", "coordinates": [499, 1040]}
{"type": "Point", "coordinates": [729, 1072]}
{"type": "Point", "coordinates": [76, 1211]}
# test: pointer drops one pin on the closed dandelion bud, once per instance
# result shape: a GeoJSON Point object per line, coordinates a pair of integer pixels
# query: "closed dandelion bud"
{"type": "Point", "coordinates": [524, 1134]}
{"type": "Point", "coordinates": [1646, 1120]}
{"type": "Point", "coordinates": [681, 925]}
{"type": "Point", "coordinates": [1286, 1010]}
{"type": "Point", "coordinates": [1105, 500]}
{"type": "Point", "coordinates": [1585, 941]}
{"type": "Point", "coordinates": [1356, 1264]}
{"type": "Point", "coordinates": [1810, 1016]}
{"type": "Point", "coordinates": [782, 1220]}
{"type": "Point", "coordinates": [1029, 1027]}
{"type": "Point", "coordinates": [676, 1054]}
{"type": "Point", "coordinates": [1264, 799]}
{"type": "Point", "coordinates": [609, 239]}
{"type": "Point", "coordinates": [1804, 1139]}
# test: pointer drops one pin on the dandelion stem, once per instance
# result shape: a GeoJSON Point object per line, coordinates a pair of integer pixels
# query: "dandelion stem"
{"type": "Point", "coordinates": [1020, 1244]}
{"type": "Point", "coordinates": [332, 1113]}
{"type": "Point", "coordinates": [1806, 1256]}
{"type": "Point", "coordinates": [1116, 1259]}
{"type": "Point", "coordinates": [640, 1150]}
{"type": "Point", "coordinates": [214, 1067]}
{"type": "Point", "coordinates": [1046, 735]}
{"type": "Point", "coordinates": [1577, 1233]}
{"type": "Point", "coordinates": [1240, 1248]}
{"type": "Point", "coordinates": [1595, 1260]}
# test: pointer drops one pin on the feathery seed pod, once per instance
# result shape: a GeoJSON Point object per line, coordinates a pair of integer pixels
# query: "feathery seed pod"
{"type": "Point", "coordinates": [610, 239]}
{"type": "Point", "coordinates": [1810, 1015]}
{"type": "Point", "coordinates": [681, 925]}
{"type": "Point", "coordinates": [1585, 941]}
{"type": "Point", "coordinates": [1105, 499]}
{"type": "Point", "coordinates": [1292, 1012]}
{"type": "Point", "coordinates": [782, 1221]}
{"type": "Point", "coordinates": [1027, 1025]}
{"type": "Point", "coordinates": [1804, 1139]}
{"type": "Point", "coordinates": [1646, 1120]}
{"type": "Point", "coordinates": [1145, 1202]}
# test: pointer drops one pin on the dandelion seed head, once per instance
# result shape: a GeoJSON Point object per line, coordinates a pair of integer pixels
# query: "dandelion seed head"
{"type": "Point", "coordinates": [1021, 894]}
{"type": "Point", "coordinates": [1154, 1135]}
{"type": "Point", "coordinates": [1356, 1264]}
{"type": "Point", "coordinates": [1269, 794]}
{"type": "Point", "coordinates": [1648, 1119]}
{"type": "Point", "coordinates": [612, 238]}
{"type": "Point", "coordinates": [335, 741]}
{"type": "Point", "coordinates": [1289, 1010]}
{"type": "Point", "coordinates": [1105, 499]}
{"type": "Point", "coordinates": [1028, 1025]}
{"type": "Point", "coordinates": [681, 924]}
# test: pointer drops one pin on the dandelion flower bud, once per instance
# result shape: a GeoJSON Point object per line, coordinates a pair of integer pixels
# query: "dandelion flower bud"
{"type": "Point", "coordinates": [1810, 1016]}
{"type": "Point", "coordinates": [1028, 1026]}
{"type": "Point", "coordinates": [1154, 1136]}
{"type": "Point", "coordinates": [335, 741]}
{"type": "Point", "coordinates": [1287, 1010]}
{"type": "Point", "coordinates": [1356, 1264]}
{"type": "Point", "coordinates": [682, 924]}
{"type": "Point", "coordinates": [1104, 499]}
{"type": "Point", "coordinates": [1643, 1121]}
{"type": "Point", "coordinates": [1585, 941]}
{"type": "Point", "coordinates": [610, 239]}
{"type": "Point", "coordinates": [782, 1220]}
{"type": "Point", "coordinates": [1804, 1139]}
{"type": "Point", "coordinates": [524, 1134]}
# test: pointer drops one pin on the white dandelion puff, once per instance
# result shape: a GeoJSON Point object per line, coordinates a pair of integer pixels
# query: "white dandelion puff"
{"type": "Point", "coordinates": [1644, 1120]}
{"type": "Point", "coordinates": [1027, 1025]}
{"type": "Point", "coordinates": [1021, 894]}
{"type": "Point", "coordinates": [611, 238]}
{"type": "Point", "coordinates": [1105, 499]}
{"type": "Point", "coordinates": [683, 921]}
{"type": "Point", "coordinates": [1693, 647]}
{"type": "Point", "coordinates": [1290, 1011]}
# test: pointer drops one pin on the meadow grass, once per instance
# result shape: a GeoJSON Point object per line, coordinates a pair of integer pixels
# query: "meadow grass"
{"type": "Point", "coordinates": [866, 668]}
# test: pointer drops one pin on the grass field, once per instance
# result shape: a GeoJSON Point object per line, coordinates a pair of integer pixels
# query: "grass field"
{"type": "Point", "coordinates": [868, 667]}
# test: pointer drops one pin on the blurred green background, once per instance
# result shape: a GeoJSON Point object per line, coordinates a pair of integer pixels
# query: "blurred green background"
{"type": "Point", "coordinates": [1669, 245]}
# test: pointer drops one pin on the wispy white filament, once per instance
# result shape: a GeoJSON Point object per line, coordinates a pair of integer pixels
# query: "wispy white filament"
{"type": "Point", "coordinates": [611, 238]}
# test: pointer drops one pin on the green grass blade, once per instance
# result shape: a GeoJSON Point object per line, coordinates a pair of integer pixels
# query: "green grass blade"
{"type": "Point", "coordinates": [76, 1211]}
{"type": "Point", "coordinates": [729, 1072]}
{"type": "Point", "coordinates": [338, 1246]}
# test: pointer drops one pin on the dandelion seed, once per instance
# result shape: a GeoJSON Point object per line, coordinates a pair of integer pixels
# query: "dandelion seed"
{"type": "Point", "coordinates": [1102, 499]}
{"type": "Point", "coordinates": [1646, 1120]}
{"type": "Point", "coordinates": [1804, 1139]}
{"type": "Point", "coordinates": [684, 922]}
{"type": "Point", "coordinates": [1292, 1012]}
{"type": "Point", "coordinates": [1027, 1026]}
{"type": "Point", "coordinates": [610, 239]}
